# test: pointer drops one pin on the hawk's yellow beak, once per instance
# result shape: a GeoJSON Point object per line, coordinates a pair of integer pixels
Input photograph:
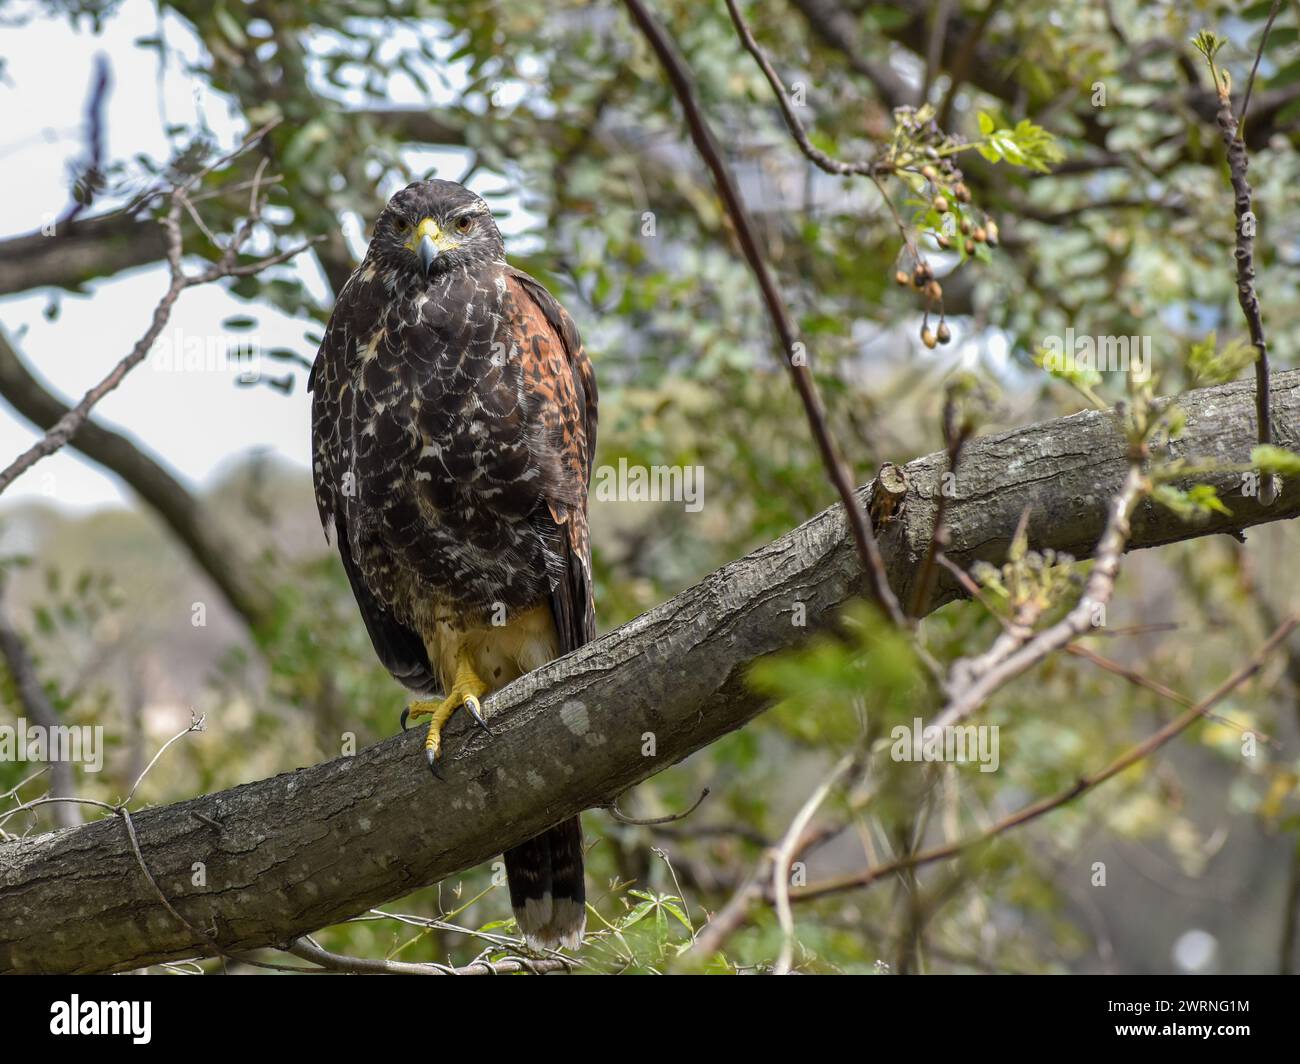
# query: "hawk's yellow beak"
{"type": "Point", "coordinates": [429, 241]}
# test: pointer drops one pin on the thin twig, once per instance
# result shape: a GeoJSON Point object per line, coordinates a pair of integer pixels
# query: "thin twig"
{"type": "Point", "coordinates": [91, 179]}
{"type": "Point", "coordinates": [959, 69]}
{"type": "Point", "coordinates": [618, 814]}
{"type": "Point", "coordinates": [1259, 54]}
{"type": "Point", "coordinates": [196, 725]}
{"type": "Point", "coordinates": [955, 436]}
{"type": "Point", "coordinates": [679, 76]}
{"type": "Point", "coordinates": [67, 426]}
{"type": "Point", "coordinates": [974, 681]}
{"type": "Point", "coordinates": [1247, 297]}
{"type": "Point", "coordinates": [823, 161]}
{"type": "Point", "coordinates": [1138, 679]}
{"type": "Point", "coordinates": [336, 962]}
{"type": "Point", "coordinates": [1086, 783]}
{"type": "Point", "coordinates": [435, 924]}
{"type": "Point", "coordinates": [785, 854]}
{"type": "Point", "coordinates": [934, 48]}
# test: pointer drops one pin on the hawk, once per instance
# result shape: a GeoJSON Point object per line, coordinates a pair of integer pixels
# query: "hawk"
{"type": "Point", "coordinates": [453, 426]}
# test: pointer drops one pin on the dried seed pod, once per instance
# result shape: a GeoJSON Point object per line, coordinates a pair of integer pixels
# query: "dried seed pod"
{"type": "Point", "coordinates": [941, 204]}
{"type": "Point", "coordinates": [928, 172]}
{"type": "Point", "coordinates": [961, 192]}
{"type": "Point", "coordinates": [943, 241]}
{"type": "Point", "coordinates": [944, 334]}
{"type": "Point", "coordinates": [991, 232]}
{"type": "Point", "coordinates": [928, 337]}
{"type": "Point", "coordinates": [934, 291]}
{"type": "Point", "coordinates": [922, 274]}
{"type": "Point", "coordinates": [970, 247]}
{"type": "Point", "coordinates": [901, 278]}
{"type": "Point", "coordinates": [980, 234]}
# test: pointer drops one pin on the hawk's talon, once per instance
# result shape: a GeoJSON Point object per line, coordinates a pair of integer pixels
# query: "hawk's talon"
{"type": "Point", "coordinates": [465, 691]}
{"type": "Point", "coordinates": [406, 712]}
{"type": "Point", "coordinates": [475, 711]}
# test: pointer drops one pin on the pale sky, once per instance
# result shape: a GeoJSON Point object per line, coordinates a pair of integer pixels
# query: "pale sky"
{"type": "Point", "coordinates": [195, 421]}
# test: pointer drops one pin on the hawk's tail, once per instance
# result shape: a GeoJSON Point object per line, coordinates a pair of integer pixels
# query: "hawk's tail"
{"type": "Point", "coordinates": [546, 886]}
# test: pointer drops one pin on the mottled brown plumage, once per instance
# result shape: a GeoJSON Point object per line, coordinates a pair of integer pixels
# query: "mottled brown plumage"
{"type": "Point", "coordinates": [453, 425]}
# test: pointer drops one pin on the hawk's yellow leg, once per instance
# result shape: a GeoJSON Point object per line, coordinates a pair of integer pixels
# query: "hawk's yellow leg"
{"type": "Point", "coordinates": [466, 690]}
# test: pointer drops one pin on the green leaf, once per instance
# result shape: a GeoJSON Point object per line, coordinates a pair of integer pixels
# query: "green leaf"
{"type": "Point", "coordinates": [1025, 144]}
{"type": "Point", "coordinates": [1257, 12]}
{"type": "Point", "coordinates": [1208, 366]}
{"type": "Point", "coordinates": [676, 910]}
{"type": "Point", "coordinates": [1067, 369]}
{"type": "Point", "coordinates": [637, 914]}
{"type": "Point", "coordinates": [1269, 459]}
{"type": "Point", "coordinates": [230, 29]}
{"type": "Point", "coordinates": [1196, 503]}
{"type": "Point", "coordinates": [1287, 74]}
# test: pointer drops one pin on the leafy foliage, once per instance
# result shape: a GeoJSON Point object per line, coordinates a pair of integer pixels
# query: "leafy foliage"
{"type": "Point", "coordinates": [1112, 220]}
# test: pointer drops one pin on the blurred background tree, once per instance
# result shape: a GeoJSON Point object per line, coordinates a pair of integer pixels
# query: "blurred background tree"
{"type": "Point", "coordinates": [559, 114]}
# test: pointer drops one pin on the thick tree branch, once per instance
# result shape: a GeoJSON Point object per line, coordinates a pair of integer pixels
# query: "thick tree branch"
{"type": "Point", "coordinates": [80, 252]}
{"type": "Point", "coordinates": [303, 850]}
{"type": "Point", "coordinates": [76, 252]}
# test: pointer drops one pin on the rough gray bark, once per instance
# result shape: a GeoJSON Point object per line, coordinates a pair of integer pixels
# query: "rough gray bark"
{"type": "Point", "coordinates": [316, 846]}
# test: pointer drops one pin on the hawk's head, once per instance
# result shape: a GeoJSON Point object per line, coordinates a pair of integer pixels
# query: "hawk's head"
{"type": "Point", "coordinates": [431, 227]}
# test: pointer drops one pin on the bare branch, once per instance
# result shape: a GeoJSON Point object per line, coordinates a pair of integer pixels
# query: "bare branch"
{"type": "Point", "coordinates": [785, 854]}
{"type": "Point", "coordinates": [1238, 162]}
{"type": "Point", "coordinates": [1037, 809]}
{"type": "Point", "coordinates": [825, 162]}
{"type": "Point", "coordinates": [955, 436]}
{"type": "Point", "coordinates": [679, 671]}
{"type": "Point", "coordinates": [679, 76]}
{"type": "Point", "coordinates": [66, 427]}
{"type": "Point", "coordinates": [974, 680]}
{"type": "Point", "coordinates": [336, 962]}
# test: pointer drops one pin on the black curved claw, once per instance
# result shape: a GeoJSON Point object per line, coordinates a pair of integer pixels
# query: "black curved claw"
{"type": "Point", "coordinates": [431, 756]}
{"type": "Point", "coordinates": [405, 715]}
{"type": "Point", "coordinates": [472, 705]}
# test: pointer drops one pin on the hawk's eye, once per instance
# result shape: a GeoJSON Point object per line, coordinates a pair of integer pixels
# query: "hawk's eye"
{"type": "Point", "coordinates": [463, 223]}
{"type": "Point", "coordinates": [402, 225]}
